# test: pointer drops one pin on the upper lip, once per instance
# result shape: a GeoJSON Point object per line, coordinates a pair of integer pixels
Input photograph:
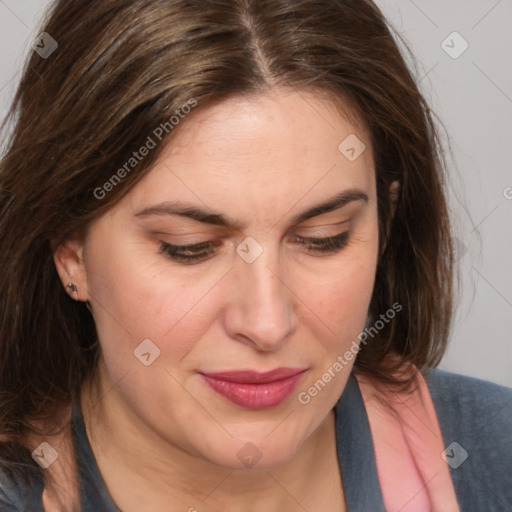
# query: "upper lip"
{"type": "Point", "coordinates": [253, 376]}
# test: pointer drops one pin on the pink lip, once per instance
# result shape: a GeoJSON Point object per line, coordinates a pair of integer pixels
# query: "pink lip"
{"type": "Point", "coordinates": [255, 390]}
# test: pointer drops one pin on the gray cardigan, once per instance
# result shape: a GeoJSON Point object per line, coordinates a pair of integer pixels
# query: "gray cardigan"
{"type": "Point", "coordinates": [474, 413]}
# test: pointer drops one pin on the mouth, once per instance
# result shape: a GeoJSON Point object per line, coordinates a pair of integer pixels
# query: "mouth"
{"type": "Point", "coordinates": [255, 390]}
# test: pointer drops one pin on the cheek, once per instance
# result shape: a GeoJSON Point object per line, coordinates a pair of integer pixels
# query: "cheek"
{"type": "Point", "coordinates": [343, 291]}
{"type": "Point", "coordinates": [342, 306]}
{"type": "Point", "coordinates": [346, 291]}
{"type": "Point", "coordinates": [137, 298]}
{"type": "Point", "coordinates": [342, 303]}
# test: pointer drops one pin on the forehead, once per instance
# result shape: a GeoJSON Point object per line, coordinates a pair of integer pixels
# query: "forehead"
{"type": "Point", "coordinates": [277, 119]}
{"type": "Point", "coordinates": [265, 150]}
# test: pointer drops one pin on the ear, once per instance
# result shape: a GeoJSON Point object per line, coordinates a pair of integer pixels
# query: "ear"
{"type": "Point", "coordinates": [69, 261]}
{"type": "Point", "coordinates": [393, 195]}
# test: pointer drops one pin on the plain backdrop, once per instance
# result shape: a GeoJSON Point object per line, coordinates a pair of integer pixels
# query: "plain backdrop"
{"type": "Point", "coordinates": [461, 48]}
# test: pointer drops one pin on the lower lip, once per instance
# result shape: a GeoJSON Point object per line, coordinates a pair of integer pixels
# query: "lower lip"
{"type": "Point", "coordinates": [255, 396]}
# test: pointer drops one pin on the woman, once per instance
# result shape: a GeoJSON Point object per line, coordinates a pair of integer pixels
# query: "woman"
{"type": "Point", "coordinates": [227, 270]}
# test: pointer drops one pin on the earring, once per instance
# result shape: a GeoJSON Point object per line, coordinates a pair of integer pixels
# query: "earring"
{"type": "Point", "coordinates": [71, 289]}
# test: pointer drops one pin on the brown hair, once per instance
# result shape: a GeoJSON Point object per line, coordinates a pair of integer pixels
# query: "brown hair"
{"type": "Point", "coordinates": [122, 68]}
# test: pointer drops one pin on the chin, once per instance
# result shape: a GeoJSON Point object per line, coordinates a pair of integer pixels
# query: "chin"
{"type": "Point", "coordinates": [253, 453]}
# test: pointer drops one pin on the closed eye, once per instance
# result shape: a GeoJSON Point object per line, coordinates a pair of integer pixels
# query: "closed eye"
{"type": "Point", "coordinates": [195, 253]}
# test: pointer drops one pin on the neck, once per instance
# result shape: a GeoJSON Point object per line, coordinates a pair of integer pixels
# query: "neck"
{"type": "Point", "coordinates": [144, 471]}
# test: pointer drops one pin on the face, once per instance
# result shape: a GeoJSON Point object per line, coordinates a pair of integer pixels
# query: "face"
{"type": "Point", "coordinates": [251, 246]}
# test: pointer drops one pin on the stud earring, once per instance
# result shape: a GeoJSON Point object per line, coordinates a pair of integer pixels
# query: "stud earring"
{"type": "Point", "coordinates": [71, 289]}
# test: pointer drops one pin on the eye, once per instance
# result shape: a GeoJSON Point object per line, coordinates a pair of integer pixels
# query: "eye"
{"type": "Point", "coordinates": [195, 253]}
{"type": "Point", "coordinates": [324, 245]}
{"type": "Point", "coordinates": [188, 254]}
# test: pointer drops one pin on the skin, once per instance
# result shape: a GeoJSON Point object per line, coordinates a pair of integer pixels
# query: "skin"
{"type": "Point", "coordinates": [160, 435]}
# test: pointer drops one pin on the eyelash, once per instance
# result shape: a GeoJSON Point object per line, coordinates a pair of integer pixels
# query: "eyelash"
{"type": "Point", "coordinates": [201, 251]}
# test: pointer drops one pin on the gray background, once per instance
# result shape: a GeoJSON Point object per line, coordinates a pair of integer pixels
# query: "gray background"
{"type": "Point", "coordinates": [472, 95]}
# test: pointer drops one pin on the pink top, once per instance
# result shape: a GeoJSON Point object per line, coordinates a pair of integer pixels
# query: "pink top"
{"type": "Point", "coordinates": [408, 445]}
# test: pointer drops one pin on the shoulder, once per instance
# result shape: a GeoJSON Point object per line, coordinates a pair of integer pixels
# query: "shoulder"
{"type": "Point", "coordinates": [9, 494]}
{"type": "Point", "coordinates": [475, 417]}
{"type": "Point", "coordinates": [16, 496]}
{"type": "Point", "coordinates": [22, 484]}
{"type": "Point", "coordinates": [475, 403]}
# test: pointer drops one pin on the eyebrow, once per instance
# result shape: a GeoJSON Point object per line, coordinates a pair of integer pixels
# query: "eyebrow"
{"type": "Point", "coordinates": [202, 215]}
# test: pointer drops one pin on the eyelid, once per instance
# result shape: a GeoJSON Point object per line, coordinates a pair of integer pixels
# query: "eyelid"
{"type": "Point", "coordinates": [334, 227]}
{"type": "Point", "coordinates": [184, 233]}
{"type": "Point", "coordinates": [326, 219]}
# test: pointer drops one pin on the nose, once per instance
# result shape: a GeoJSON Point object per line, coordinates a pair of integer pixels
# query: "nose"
{"type": "Point", "coordinates": [261, 311]}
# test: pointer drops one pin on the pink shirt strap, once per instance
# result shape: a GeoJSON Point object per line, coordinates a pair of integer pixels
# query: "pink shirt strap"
{"type": "Point", "coordinates": [408, 444]}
